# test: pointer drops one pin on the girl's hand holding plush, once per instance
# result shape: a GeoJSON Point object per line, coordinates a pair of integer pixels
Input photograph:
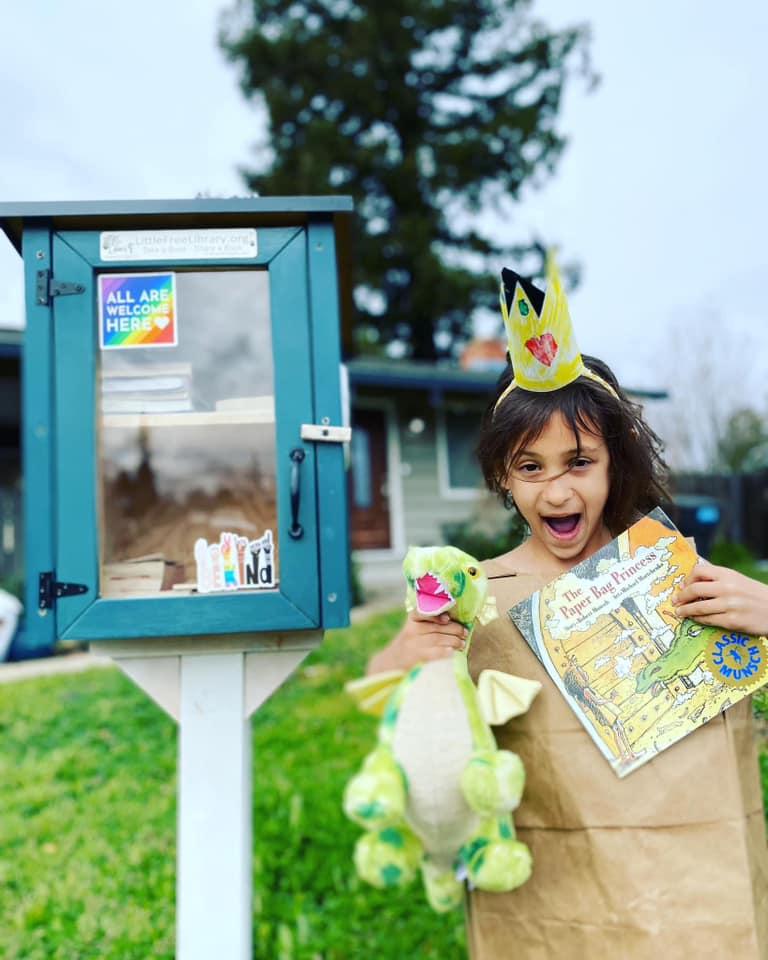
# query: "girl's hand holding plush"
{"type": "Point", "coordinates": [421, 638]}
{"type": "Point", "coordinates": [724, 598]}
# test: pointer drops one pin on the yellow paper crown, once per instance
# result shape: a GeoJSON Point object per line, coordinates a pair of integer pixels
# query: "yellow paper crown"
{"type": "Point", "coordinates": [542, 345]}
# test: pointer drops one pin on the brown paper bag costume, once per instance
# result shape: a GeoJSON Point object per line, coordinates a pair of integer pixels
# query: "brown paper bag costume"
{"type": "Point", "coordinates": [669, 863]}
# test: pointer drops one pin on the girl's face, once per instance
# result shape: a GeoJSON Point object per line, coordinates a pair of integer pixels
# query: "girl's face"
{"type": "Point", "coordinates": [561, 487]}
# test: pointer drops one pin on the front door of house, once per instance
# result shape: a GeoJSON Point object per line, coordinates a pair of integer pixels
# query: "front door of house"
{"type": "Point", "coordinates": [368, 478]}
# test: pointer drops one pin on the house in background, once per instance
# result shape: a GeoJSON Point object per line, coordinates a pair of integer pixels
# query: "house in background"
{"type": "Point", "coordinates": [413, 469]}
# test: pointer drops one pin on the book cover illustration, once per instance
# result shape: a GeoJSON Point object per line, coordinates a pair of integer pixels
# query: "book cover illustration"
{"type": "Point", "coordinates": [637, 677]}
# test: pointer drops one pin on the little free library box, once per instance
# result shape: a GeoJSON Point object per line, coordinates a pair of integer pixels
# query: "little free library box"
{"type": "Point", "coordinates": [183, 417]}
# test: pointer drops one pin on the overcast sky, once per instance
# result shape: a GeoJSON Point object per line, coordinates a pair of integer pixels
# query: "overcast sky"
{"type": "Point", "coordinates": [661, 194]}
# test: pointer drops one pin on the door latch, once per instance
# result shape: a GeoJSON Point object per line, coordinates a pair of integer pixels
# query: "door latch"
{"type": "Point", "coordinates": [325, 433]}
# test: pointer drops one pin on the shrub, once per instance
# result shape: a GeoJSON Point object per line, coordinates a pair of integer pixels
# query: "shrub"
{"type": "Point", "coordinates": [14, 585]}
{"type": "Point", "coordinates": [484, 544]}
{"type": "Point", "coordinates": [726, 553]}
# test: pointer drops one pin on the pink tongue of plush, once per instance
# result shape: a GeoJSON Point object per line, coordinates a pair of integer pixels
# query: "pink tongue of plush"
{"type": "Point", "coordinates": [563, 524]}
{"type": "Point", "coordinates": [430, 594]}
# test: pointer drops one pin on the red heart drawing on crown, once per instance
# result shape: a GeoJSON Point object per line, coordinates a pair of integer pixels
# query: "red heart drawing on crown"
{"type": "Point", "coordinates": [544, 348]}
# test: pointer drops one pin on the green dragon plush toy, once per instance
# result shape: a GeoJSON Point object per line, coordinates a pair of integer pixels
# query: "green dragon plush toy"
{"type": "Point", "coordinates": [436, 793]}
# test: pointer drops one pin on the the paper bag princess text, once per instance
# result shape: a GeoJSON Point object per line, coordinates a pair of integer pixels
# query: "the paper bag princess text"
{"type": "Point", "coordinates": [235, 562]}
{"type": "Point", "coordinates": [578, 603]}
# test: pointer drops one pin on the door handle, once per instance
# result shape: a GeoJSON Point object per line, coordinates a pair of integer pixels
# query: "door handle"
{"type": "Point", "coordinates": [296, 531]}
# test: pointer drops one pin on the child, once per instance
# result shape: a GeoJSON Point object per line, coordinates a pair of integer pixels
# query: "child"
{"type": "Point", "coordinates": [671, 860]}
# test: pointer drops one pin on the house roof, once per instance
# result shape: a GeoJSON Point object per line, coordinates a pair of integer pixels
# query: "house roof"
{"type": "Point", "coordinates": [440, 378]}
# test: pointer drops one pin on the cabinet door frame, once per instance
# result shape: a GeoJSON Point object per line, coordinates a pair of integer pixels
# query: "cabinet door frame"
{"type": "Point", "coordinates": [295, 604]}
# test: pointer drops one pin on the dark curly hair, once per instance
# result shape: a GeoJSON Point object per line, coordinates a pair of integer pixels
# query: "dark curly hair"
{"type": "Point", "coordinates": [638, 473]}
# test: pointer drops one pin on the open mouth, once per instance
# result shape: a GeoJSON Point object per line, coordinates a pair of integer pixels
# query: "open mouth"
{"type": "Point", "coordinates": [432, 595]}
{"type": "Point", "coordinates": [563, 528]}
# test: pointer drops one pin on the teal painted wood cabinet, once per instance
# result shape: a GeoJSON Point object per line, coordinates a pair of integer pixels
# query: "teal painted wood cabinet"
{"type": "Point", "coordinates": [183, 417]}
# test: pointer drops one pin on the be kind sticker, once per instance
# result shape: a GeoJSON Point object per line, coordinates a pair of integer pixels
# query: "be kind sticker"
{"type": "Point", "coordinates": [137, 310]}
{"type": "Point", "coordinates": [235, 563]}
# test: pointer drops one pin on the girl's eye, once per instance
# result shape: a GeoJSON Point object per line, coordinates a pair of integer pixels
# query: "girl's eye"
{"type": "Point", "coordinates": [528, 467]}
{"type": "Point", "coordinates": [580, 462]}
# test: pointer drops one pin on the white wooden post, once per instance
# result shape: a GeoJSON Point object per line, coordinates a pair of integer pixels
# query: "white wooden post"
{"type": "Point", "coordinates": [211, 688]}
{"type": "Point", "coordinates": [213, 893]}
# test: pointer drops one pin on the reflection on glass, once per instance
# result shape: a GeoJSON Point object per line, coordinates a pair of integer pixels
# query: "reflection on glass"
{"type": "Point", "coordinates": [187, 464]}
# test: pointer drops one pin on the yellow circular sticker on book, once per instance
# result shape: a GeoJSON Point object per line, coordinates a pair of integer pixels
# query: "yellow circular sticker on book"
{"type": "Point", "coordinates": [737, 660]}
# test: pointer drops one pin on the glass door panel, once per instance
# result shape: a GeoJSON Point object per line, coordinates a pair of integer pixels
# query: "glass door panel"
{"type": "Point", "coordinates": [186, 417]}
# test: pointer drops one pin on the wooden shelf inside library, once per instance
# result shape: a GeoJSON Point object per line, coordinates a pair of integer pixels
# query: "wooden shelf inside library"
{"type": "Point", "coordinates": [208, 418]}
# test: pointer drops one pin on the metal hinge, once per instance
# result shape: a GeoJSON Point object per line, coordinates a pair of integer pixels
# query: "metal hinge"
{"type": "Point", "coordinates": [51, 589]}
{"type": "Point", "coordinates": [47, 287]}
{"type": "Point", "coordinates": [324, 432]}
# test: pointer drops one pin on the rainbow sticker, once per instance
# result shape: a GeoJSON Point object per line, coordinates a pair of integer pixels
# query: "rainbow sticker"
{"type": "Point", "coordinates": [137, 310]}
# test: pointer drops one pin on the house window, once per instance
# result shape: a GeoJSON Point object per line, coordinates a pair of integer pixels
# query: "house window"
{"type": "Point", "coordinates": [457, 438]}
{"type": "Point", "coordinates": [361, 468]}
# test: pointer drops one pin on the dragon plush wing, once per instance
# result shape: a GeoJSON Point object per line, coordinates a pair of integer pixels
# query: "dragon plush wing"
{"type": "Point", "coordinates": [503, 695]}
{"type": "Point", "coordinates": [371, 693]}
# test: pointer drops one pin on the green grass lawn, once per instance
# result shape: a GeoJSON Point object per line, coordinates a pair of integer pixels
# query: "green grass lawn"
{"type": "Point", "coordinates": [88, 822]}
{"type": "Point", "coordinates": [88, 808]}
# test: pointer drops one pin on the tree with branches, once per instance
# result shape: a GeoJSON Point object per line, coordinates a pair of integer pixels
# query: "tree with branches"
{"type": "Point", "coordinates": [743, 442]}
{"type": "Point", "coordinates": [434, 115]}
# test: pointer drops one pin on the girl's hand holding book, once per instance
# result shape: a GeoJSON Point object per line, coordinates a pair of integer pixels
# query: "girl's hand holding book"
{"type": "Point", "coordinates": [721, 597]}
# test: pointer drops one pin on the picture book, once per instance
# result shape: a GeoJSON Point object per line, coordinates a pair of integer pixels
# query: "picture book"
{"type": "Point", "coordinates": [637, 677]}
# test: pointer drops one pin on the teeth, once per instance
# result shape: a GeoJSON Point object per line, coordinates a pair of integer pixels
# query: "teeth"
{"type": "Point", "coordinates": [432, 584]}
{"type": "Point", "coordinates": [432, 595]}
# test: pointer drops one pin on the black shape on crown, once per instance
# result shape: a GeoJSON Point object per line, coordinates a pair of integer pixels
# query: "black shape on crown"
{"type": "Point", "coordinates": [509, 280]}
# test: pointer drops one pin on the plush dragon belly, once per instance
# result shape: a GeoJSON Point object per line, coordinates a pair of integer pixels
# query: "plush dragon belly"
{"type": "Point", "coordinates": [436, 793]}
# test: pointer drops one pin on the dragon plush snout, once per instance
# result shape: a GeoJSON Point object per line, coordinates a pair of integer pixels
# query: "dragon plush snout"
{"type": "Point", "coordinates": [445, 578]}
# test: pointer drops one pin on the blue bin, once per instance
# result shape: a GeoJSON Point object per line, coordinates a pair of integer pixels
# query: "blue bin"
{"type": "Point", "coordinates": [699, 517]}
